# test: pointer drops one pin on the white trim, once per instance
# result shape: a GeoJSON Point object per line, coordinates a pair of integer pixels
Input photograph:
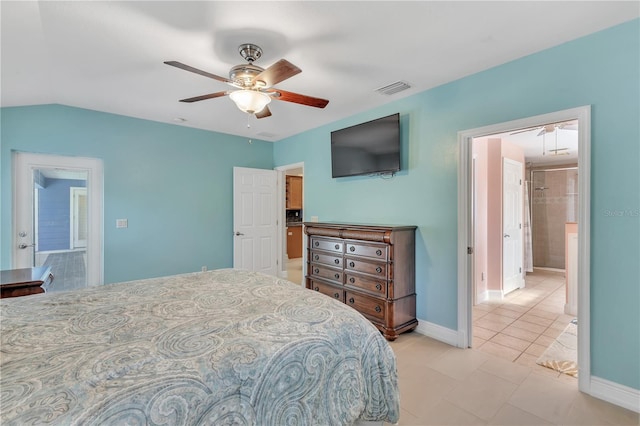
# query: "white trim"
{"type": "Point", "coordinates": [24, 164]}
{"type": "Point", "coordinates": [495, 295]}
{"type": "Point", "coordinates": [615, 393]}
{"type": "Point", "coordinates": [282, 214]}
{"type": "Point", "coordinates": [483, 297]}
{"type": "Point", "coordinates": [583, 114]}
{"type": "Point", "coordinates": [438, 332]}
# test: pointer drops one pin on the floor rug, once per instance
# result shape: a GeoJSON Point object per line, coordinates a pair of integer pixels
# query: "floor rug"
{"type": "Point", "coordinates": [562, 355]}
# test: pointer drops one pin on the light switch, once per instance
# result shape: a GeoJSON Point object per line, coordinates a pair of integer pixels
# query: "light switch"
{"type": "Point", "coordinates": [122, 223]}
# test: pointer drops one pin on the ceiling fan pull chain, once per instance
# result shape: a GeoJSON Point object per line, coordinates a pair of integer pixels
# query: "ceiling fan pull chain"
{"type": "Point", "coordinates": [248, 121]}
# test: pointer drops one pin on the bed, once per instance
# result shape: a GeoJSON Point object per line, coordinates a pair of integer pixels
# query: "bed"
{"type": "Point", "coordinates": [223, 347]}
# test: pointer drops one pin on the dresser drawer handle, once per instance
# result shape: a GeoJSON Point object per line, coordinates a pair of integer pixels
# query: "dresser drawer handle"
{"type": "Point", "coordinates": [337, 276]}
{"type": "Point", "coordinates": [352, 301]}
{"type": "Point", "coordinates": [352, 264]}
{"type": "Point", "coordinates": [337, 261]}
{"type": "Point", "coordinates": [337, 246]}
{"type": "Point", "coordinates": [336, 295]}
{"type": "Point", "coordinates": [316, 270]}
{"type": "Point", "coordinates": [317, 243]}
{"type": "Point", "coordinates": [316, 257]}
{"type": "Point", "coordinates": [352, 280]}
{"type": "Point", "coordinates": [379, 252]}
{"type": "Point", "coordinates": [352, 248]}
{"type": "Point", "coordinates": [378, 309]}
{"type": "Point", "coordinates": [378, 269]}
{"type": "Point", "coordinates": [378, 287]}
{"type": "Point", "coordinates": [317, 289]}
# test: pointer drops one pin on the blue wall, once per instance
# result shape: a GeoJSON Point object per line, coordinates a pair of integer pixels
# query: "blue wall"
{"type": "Point", "coordinates": [174, 184]}
{"type": "Point", "coordinates": [601, 70]}
{"type": "Point", "coordinates": [54, 213]}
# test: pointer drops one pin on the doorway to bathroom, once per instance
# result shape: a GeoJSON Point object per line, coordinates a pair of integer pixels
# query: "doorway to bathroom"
{"type": "Point", "coordinates": [522, 323]}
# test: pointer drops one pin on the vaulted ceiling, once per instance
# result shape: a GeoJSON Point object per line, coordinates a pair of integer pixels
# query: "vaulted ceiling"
{"type": "Point", "coordinates": [108, 56]}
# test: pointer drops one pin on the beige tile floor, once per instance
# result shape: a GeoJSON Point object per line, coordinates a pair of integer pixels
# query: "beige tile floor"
{"type": "Point", "coordinates": [520, 327]}
{"type": "Point", "coordinates": [294, 270]}
{"type": "Point", "coordinates": [443, 385]}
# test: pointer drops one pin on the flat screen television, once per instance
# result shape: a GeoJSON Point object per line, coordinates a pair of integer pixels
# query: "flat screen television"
{"type": "Point", "coordinates": [369, 148]}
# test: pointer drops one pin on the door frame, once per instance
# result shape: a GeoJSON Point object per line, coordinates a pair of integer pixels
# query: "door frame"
{"type": "Point", "coordinates": [465, 238]}
{"type": "Point", "coordinates": [282, 229]}
{"type": "Point", "coordinates": [23, 165]}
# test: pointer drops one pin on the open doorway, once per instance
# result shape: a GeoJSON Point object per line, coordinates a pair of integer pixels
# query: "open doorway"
{"type": "Point", "coordinates": [520, 322]}
{"type": "Point", "coordinates": [58, 218]}
{"type": "Point", "coordinates": [292, 212]}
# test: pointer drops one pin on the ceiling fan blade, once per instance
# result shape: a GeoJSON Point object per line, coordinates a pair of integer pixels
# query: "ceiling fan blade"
{"type": "Point", "coordinates": [203, 97]}
{"type": "Point", "coordinates": [276, 73]}
{"type": "Point", "coordinates": [523, 131]}
{"type": "Point", "coordinates": [298, 98]}
{"type": "Point", "coordinates": [266, 112]}
{"type": "Point", "coordinates": [197, 71]}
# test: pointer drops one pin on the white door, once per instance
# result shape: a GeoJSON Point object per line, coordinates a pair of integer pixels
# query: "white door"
{"type": "Point", "coordinates": [255, 220]}
{"type": "Point", "coordinates": [512, 232]}
{"type": "Point", "coordinates": [29, 170]}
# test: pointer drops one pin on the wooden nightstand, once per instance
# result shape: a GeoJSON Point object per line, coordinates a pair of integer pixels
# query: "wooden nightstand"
{"type": "Point", "coordinates": [23, 282]}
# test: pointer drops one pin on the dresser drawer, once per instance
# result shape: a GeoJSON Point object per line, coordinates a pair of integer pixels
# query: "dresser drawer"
{"type": "Point", "coordinates": [375, 251]}
{"type": "Point", "coordinates": [327, 259]}
{"type": "Point", "coordinates": [326, 273]}
{"type": "Point", "coordinates": [377, 269]}
{"type": "Point", "coordinates": [378, 287]}
{"type": "Point", "coordinates": [329, 290]}
{"type": "Point", "coordinates": [327, 244]}
{"type": "Point", "coordinates": [366, 305]}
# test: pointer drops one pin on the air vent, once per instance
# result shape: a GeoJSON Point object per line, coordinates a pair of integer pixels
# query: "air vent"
{"type": "Point", "coordinates": [392, 88]}
{"type": "Point", "coordinates": [266, 135]}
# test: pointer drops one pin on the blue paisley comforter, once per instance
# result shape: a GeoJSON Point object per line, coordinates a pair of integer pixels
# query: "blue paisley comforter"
{"type": "Point", "coordinates": [223, 347]}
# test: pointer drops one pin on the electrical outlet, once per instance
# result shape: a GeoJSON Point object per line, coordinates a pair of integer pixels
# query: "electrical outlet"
{"type": "Point", "coordinates": [314, 218]}
{"type": "Point", "coordinates": [204, 269]}
{"type": "Point", "coordinates": [122, 223]}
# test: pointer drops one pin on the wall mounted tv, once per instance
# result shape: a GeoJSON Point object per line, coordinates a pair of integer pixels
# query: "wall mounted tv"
{"type": "Point", "coordinates": [371, 148]}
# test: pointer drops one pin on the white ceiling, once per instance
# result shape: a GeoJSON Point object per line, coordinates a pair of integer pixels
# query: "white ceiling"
{"type": "Point", "coordinates": [108, 56]}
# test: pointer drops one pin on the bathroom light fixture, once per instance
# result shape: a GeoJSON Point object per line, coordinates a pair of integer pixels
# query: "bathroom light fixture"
{"type": "Point", "coordinates": [250, 101]}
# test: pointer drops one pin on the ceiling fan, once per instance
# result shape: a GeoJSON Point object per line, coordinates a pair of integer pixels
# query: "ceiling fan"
{"type": "Point", "coordinates": [254, 84]}
{"type": "Point", "coordinates": [550, 128]}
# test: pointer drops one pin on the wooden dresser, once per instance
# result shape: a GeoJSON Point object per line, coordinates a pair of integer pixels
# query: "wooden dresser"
{"type": "Point", "coordinates": [369, 267]}
{"type": "Point", "coordinates": [23, 282]}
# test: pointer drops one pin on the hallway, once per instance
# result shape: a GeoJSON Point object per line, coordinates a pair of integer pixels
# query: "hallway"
{"type": "Point", "coordinates": [68, 269]}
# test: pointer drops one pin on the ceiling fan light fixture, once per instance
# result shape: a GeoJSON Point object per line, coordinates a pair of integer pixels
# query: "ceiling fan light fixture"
{"type": "Point", "coordinates": [250, 101]}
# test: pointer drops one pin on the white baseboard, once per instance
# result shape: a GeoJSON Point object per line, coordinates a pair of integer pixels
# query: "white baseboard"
{"type": "Point", "coordinates": [482, 297]}
{"type": "Point", "coordinates": [570, 309]}
{"type": "Point", "coordinates": [438, 332]}
{"type": "Point", "coordinates": [615, 393]}
{"type": "Point", "coordinates": [494, 295]}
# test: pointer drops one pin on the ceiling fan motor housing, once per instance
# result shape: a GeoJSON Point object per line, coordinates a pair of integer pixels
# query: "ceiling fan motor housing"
{"type": "Point", "coordinates": [243, 74]}
{"type": "Point", "coordinates": [250, 52]}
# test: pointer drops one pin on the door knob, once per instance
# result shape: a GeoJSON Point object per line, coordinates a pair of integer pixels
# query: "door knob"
{"type": "Point", "coordinates": [24, 246]}
{"type": "Point", "coordinates": [507, 236]}
{"type": "Point", "coordinates": [238, 233]}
